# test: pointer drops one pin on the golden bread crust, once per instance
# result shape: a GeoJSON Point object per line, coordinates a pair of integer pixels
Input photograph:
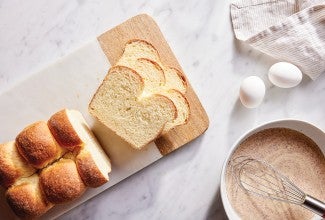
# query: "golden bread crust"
{"type": "Point", "coordinates": [61, 182]}
{"type": "Point", "coordinates": [27, 201]}
{"type": "Point", "coordinates": [63, 131]}
{"type": "Point", "coordinates": [88, 171]}
{"type": "Point", "coordinates": [12, 165]}
{"type": "Point", "coordinates": [37, 145]}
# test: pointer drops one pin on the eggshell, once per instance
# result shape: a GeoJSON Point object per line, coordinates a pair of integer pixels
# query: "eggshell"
{"type": "Point", "coordinates": [285, 75]}
{"type": "Point", "coordinates": [252, 91]}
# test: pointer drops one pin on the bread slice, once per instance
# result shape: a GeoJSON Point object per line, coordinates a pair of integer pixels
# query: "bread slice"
{"type": "Point", "coordinates": [73, 133]}
{"type": "Point", "coordinates": [137, 49]}
{"type": "Point", "coordinates": [158, 79]}
{"type": "Point", "coordinates": [155, 83]}
{"type": "Point", "coordinates": [26, 199]}
{"type": "Point", "coordinates": [12, 165]}
{"type": "Point", "coordinates": [151, 73]}
{"type": "Point", "coordinates": [60, 182]}
{"type": "Point", "coordinates": [120, 105]}
{"type": "Point", "coordinates": [182, 106]}
{"type": "Point", "coordinates": [37, 145]}
{"type": "Point", "coordinates": [175, 79]}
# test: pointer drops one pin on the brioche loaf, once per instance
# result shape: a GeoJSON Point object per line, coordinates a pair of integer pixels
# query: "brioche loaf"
{"type": "Point", "coordinates": [72, 132]}
{"type": "Point", "coordinates": [120, 105]}
{"type": "Point", "coordinates": [12, 165]}
{"type": "Point", "coordinates": [61, 182]}
{"type": "Point", "coordinates": [26, 199]}
{"type": "Point", "coordinates": [63, 152]}
{"type": "Point", "coordinates": [37, 145]}
{"type": "Point", "coordinates": [158, 79]}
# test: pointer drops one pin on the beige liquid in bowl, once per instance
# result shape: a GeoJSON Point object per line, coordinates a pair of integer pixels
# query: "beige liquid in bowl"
{"type": "Point", "coordinates": [294, 155]}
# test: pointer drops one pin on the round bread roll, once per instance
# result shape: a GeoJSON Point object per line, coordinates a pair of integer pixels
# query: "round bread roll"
{"type": "Point", "coordinates": [12, 165]}
{"type": "Point", "coordinates": [61, 182]}
{"type": "Point", "coordinates": [37, 145]}
{"type": "Point", "coordinates": [26, 199]}
{"type": "Point", "coordinates": [62, 128]}
{"type": "Point", "coordinates": [71, 130]}
{"type": "Point", "coordinates": [92, 168]}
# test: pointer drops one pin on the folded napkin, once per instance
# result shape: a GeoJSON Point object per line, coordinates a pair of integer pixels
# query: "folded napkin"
{"type": "Point", "coordinates": [288, 30]}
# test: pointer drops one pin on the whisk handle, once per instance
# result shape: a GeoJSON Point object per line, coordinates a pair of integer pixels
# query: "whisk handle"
{"type": "Point", "coordinates": [314, 205]}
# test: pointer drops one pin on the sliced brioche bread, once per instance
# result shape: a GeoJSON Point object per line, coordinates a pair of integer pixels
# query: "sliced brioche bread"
{"type": "Point", "coordinates": [120, 105]}
{"type": "Point", "coordinates": [157, 79]}
{"type": "Point", "coordinates": [150, 71]}
{"type": "Point", "coordinates": [139, 49]}
{"type": "Point", "coordinates": [182, 106]}
{"type": "Point", "coordinates": [37, 145]}
{"type": "Point", "coordinates": [61, 182]}
{"type": "Point", "coordinates": [72, 131]}
{"type": "Point", "coordinates": [175, 79]}
{"type": "Point", "coordinates": [26, 198]}
{"type": "Point", "coordinates": [135, 49]}
{"type": "Point", "coordinates": [12, 165]}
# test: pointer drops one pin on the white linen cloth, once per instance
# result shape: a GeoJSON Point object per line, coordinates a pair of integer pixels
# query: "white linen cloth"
{"type": "Point", "coordinates": [288, 30]}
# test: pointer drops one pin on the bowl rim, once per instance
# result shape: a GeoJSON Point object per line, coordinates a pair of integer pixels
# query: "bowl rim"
{"type": "Point", "coordinates": [285, 123]}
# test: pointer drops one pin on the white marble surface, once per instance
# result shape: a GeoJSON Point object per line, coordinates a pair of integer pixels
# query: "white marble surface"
{"type": "Point", "coordinates": [185, 184]}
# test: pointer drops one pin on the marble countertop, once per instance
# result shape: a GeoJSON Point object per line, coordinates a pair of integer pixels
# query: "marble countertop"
{"type": "Point", "coordinates": [185, 184]}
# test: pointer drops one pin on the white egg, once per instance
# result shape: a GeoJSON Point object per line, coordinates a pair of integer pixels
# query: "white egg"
{"type": "Point", "coordinates": [252, 91]}
{"type": "Point", "coordinates": [285, 75]}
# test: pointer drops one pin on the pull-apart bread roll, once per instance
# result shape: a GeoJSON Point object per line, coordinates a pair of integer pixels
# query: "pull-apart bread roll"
{"type": "Point", "coordinates": [37, 145]}
{"type": "Point", "coordinates": [72, 132]}
{"type": "Point", "coordinates": [51, 163]}
{"type": "Point", "coordinates": [93, 167]}
{"type": "Point", "coordinates": [120, 104]}
{"type": "Point", "coordinates": [12, 165]}
{"type": "Point", "coordinates": [61, 182]}
{"type": "Point", "coordinates": [26, 198]}
{"type": "Point", "coordinates": [67, 127]}
{"type": "Point", "coordinates": [144, 59]}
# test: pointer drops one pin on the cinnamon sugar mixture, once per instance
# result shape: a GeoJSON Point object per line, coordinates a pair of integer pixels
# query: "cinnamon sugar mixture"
{"type": "Point", "coordinates": [294, 155]}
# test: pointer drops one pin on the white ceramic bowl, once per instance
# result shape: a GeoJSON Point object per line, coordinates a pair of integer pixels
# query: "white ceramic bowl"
{"type": "Point", "coordinates": [316, 134]}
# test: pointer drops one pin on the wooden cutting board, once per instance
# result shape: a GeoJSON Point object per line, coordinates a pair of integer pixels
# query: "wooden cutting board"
{"type": "Point", "coordinates": [145, 28]}
{"type": "Point", "coordinates": [71, 81]}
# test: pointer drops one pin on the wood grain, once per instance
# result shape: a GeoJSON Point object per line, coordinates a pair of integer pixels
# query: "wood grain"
{"type": "Point", "coordinates": [145, 28]}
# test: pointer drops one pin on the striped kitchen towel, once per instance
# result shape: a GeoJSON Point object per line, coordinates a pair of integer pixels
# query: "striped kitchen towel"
{"type": "Point", "coordinates": [288, 30]}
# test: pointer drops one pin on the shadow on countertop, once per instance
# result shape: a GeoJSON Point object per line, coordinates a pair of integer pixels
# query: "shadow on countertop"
{"type": "Point", "coordinates": [216, 210]}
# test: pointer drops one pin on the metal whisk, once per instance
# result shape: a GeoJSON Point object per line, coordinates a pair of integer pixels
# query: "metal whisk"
{"type": "Point", "coordinates": [260, 178]}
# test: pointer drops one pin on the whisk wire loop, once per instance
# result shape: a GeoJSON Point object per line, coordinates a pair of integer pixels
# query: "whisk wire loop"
{"type": "Point", "coordinates": [262, 179]}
